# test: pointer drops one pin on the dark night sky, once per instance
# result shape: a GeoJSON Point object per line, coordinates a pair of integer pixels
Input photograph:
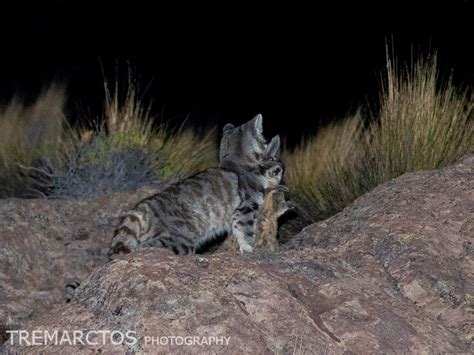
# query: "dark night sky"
{"type": "Point", "coordinates": [299, 66]}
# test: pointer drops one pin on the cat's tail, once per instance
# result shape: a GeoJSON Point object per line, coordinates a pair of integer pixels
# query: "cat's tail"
{"type": "Point", "coordinates": [71, 290]}
{"type": "Point", "coordinates": [127, 234]}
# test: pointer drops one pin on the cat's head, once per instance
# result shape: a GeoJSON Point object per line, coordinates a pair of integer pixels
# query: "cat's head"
{"type": "Point", "coordinates": [272, 165]}
{"type": "Point", "coordinates": [244, 144]}
{"type": "Point", "coordinates": [273, 174]}
{"type": "Point", "coordinates": [272, 152]}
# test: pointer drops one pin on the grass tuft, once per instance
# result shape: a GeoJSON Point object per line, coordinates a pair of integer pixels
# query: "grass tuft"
{"type": "Point", "coordinates": [175, 153]}
{"type": "Point", "coordinates": [40, 156]}
{"type": "Point", "coordinates": [29, 133]}
{"type": "Point", "coordinates": [184, 152]}
{"type": "Point", "coordinates": [325, 172]}
{"type": "Point", "coordinates": [422, 124]}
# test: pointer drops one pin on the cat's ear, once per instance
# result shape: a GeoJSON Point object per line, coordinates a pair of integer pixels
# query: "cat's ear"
{"type": "Point", "coordinates": [228, 128]}
{"type": "Point", "coordinates": [257, 124]}
{"type": "Point", "coordinates": [273, 148]}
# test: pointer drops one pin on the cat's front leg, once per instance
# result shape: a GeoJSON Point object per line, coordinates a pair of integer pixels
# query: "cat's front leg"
{"type": "Point", "coordinates": [243, 226]}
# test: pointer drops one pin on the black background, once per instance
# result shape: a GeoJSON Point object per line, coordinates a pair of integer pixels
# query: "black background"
{"type": "Point", "coordinates": [299, 65]}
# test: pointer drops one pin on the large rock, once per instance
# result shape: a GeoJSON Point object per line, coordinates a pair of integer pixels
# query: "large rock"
{"type": "Point", "coordinates": [45, 244]}
{"type": "Point", "coordinates": [420, 229]}
{"type": "Point", "coordinates": [391, 273]}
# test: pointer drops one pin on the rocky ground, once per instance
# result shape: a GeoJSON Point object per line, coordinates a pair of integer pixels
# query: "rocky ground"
{"type": "Point", "coordinates": [393, 272]}
{"type": "Point", "coordinates": [45, 244]}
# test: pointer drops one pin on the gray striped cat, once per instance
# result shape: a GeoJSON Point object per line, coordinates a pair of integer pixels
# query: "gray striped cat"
{"type": "Point", "coordinates": [219, 200]}
{"type": "Point", "coordinates": [274, 206]}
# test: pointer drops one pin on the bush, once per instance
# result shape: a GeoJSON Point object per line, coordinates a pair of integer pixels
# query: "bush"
{"type": "Point", "coordinates": [28, 133]}
{"type": "Point", "coordinates": [326, 172]}
{"type": "Point", "coordinates": [175, 153]}
{"type": "Point", "coordinates": [126, 169]}
{"type": "Point", "coordinates": [421, 124]}
{"type": "Point", "coordinates": [42, 157]}
{"type": "Point", "coordinates": [115, 162]}
{"type": "Point", "coordinates": [184, 152]}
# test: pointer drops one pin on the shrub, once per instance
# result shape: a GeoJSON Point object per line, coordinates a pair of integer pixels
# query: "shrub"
{"type": "Point", "coordinates": [325, 173]}
{"type": "Point", "coordinates": [176, 153]}
{"type": "Point", "coordinates": [184, 152]}
{"type": "Point", "coordinates": [124, 169]}
{"type": "Point", "coordinates": [28, 133]}
{"type": "Point", "coordinates": [42, 157]}
{"type": "Point", "coordinates": [422, 124]}
{"type": "Point", "coordinates": [119, 162]}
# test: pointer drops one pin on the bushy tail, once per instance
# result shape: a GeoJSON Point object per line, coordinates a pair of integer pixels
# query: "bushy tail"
{"type": "Point", "coordinates": [71, 290]}
{"type": "Point", "coordinates": [127, 234]}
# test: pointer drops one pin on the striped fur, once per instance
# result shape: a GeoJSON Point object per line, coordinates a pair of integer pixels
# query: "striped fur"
{"type": "Point", "coordinates": [274, 206]}
{"type": "Point", "coordinates": [265, 220]}
{"type": "Point", "coordinates": [220, 200]}
{"type": "Point", "coordinates": [183, 216]}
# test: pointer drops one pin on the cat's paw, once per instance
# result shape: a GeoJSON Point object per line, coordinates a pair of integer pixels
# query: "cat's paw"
{"type": "Point", "coordinates": [119, 248]}
{"type": "Point", "coordinates": [282, 188]}
{"type": "Point", "coordinates": [246, 248]}
{"type": "Point", "coordinates": [278, 189]}
{"type": "Point", "coordinates": [71, 290]}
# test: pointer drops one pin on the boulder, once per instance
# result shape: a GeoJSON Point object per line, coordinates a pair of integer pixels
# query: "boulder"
{"type": "Point", "coordinates": [46, 244]}
{"type": "Point", "coordinates": [420, 229]}
{"type": "Point", "coordinates": [391, 273]}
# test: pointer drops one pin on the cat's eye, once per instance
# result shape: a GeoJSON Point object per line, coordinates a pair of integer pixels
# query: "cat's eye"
{"type": "Point", "coordinates": [277, 171]}
{"type": "Point", "coordinates": [258, 156]}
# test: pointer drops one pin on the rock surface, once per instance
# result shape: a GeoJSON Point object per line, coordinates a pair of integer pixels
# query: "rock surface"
{"type": "Point", "coordinates": [45, 244]}
{"type": "Point", "coordinates": [391, 273]}
{"type": "Point", "coordinates": [420, 229]}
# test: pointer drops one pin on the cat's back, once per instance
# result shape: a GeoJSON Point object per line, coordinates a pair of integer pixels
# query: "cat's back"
{"type": "Point", "coordinates": [203, 188]}
{"type": "Point", "coordinates": [203, 202]}
{"type": "Point", "coordinates": [183, 215]}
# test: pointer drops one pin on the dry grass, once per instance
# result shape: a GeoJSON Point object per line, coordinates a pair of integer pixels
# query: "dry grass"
{"type": "Point", "coordinates": [29, 133]}
{"type": "Point", "coordinates": [422, 123]}
{"type": "Point", "coordinates": [37, 148]}
{"type": "Point", "coordinates": [129, 123]}
{"type": "Point", "coordinates": [126, 113]}
{"type": "Point", "coordinates": [26, 131]}
{"type": "Point", "coordinates": [185, 152]}
{"type": "Point", "coordinates": [325, 173]}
